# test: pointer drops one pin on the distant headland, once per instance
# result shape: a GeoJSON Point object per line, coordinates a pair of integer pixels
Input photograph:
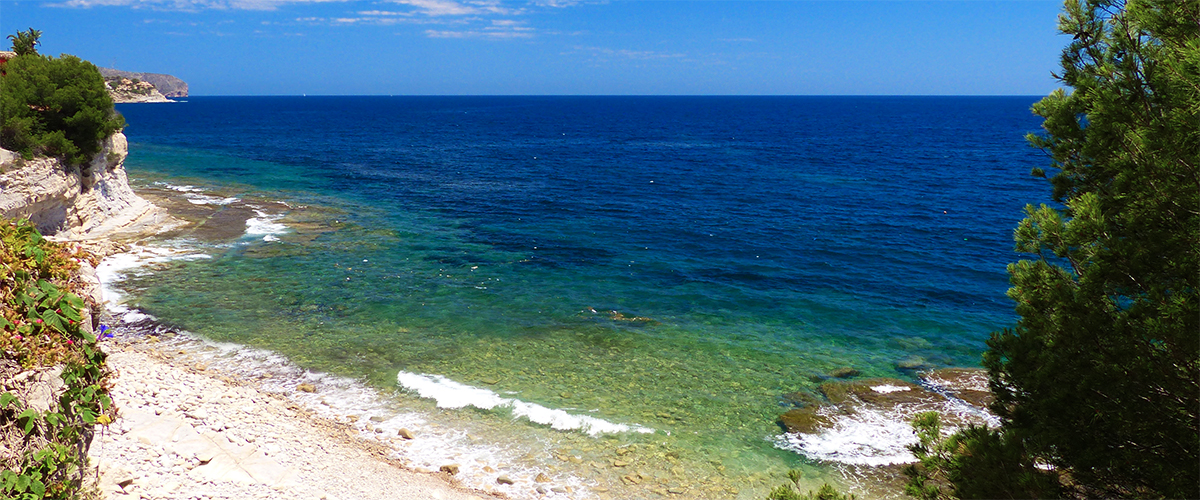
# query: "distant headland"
{"type": "Point", "coordinates": [127, 86]}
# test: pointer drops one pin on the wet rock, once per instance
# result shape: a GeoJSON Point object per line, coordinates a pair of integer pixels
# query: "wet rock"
{"type": "Point", "coordinates": [378, 418]}
{"type": "Point", "coordinates": [405, 433]}
{"type": "Point", "coordinates": [804, 420]}
{"type": "Point", "coordinates": [542, 478]}
{"type": "Point", "coordinates": [306, 388]}
{"type": "Point", "coordinates": [451, 469]}
{"type": "Point", "coordinates": [967, 384]}
{"type": "Point", "coordinates": [884, 392]}
{"type": "Point", "coordinates": [504, 480]}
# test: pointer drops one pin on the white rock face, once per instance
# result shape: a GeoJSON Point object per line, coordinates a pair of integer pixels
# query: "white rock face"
{"type": "Point", "coordinates": [73, 202]}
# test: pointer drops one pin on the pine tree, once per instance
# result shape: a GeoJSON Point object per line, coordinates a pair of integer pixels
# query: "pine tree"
{"type": "Point", "coordinates": [1100, 378]}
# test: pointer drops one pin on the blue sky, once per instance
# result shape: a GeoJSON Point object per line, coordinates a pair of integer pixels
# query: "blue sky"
{"type": "Point", "coordinates": [441, 47]}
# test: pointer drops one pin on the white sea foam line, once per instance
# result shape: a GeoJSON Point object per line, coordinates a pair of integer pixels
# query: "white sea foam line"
{"type": "Point", "coordinates": [885, 389]}
{"type": "Point", "coordinates": [182, 189]}
{"type": "Point", "coordinates": [451, 394]}
{"type": "Point", "coordinates": [203, 199]}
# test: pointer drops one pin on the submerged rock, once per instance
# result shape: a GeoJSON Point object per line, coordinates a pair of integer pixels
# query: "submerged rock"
{"type": "Point", "coordinates": [844, 372]}
{"type": "Point", "coordinates": [804, 420]}
{"type": "Point", "coordinates": [967, 384]}
{"type": "Point", "coordinates": [884, 392]}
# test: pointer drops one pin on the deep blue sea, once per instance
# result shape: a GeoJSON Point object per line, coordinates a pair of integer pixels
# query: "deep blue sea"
{"type": "Point", "coordinates": [569, 276]}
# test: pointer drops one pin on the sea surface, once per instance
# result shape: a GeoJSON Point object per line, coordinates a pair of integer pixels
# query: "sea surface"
{"type": "Point", "coordinates": [562, 285]}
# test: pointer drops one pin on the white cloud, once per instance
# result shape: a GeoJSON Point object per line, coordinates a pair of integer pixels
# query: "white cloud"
{"type": "Point", "coordinates": [641, 55]}
{"type": "Point", "coordinates": [382, 13]}
{"type": "Point", "coordinates": [457, 8]}
{"type": "Point", "coordinates": [492, 33]}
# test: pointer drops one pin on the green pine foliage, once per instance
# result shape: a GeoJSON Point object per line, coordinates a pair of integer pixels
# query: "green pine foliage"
{"type": "Point", "coordinates": [1099, 381]}
{"type": "Point", "coordinates": [55, 107]}
{"type": "Point", "coordinates": [976, 462]}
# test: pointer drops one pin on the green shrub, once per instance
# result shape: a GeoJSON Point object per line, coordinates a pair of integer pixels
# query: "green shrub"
{"type": "Point", "coordinates": [792, 491]}
{"type": "Point", "coordinates": [40, 326]}
{"type": "Point", "coordinates": [55, 107]}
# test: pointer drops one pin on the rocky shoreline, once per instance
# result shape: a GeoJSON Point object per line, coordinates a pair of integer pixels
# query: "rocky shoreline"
{"type": "Point", "coordinates": [185, 432]}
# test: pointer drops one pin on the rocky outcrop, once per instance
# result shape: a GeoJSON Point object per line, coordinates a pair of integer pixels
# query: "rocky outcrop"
{"type": "Point", "coordinates": [75, 202]}
{"type": "Point", "coordinates": [168, 85]}
{"type": "Point", "coordinates": [124, 90]}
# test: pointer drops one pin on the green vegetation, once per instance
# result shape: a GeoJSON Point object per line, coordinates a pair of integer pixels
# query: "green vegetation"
{"type": "Point", "coordinates": [792, 491]}
{"type": "Point", "coordinates": [978, 462]}
{"type": "Point", "coordinates": [1098, 385]}
{"type": "Point", "coordinates": [54, 106]}
{"type": "Point", "coordinates": [40, 328]}
{"type": "Point", "coordinates": [25, 43]}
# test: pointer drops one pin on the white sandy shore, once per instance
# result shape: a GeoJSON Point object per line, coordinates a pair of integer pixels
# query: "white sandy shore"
{"type": "Point", "coordinates": [185, 433]}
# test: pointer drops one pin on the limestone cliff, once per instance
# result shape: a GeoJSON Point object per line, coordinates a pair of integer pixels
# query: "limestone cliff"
{"type": "Point", "coordinates": [75, 202]}
{"type": "Point", "coordinates": [170, 86]}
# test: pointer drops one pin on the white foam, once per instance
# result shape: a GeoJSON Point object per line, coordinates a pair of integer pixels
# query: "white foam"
{"type": "Point", "coordinates": [867, 437]}
{"type": "Point", "coordinates": [875, 436]}
{"type": "Point", "coordinates": [448, 393]}
{"type": "Point", "coordinates": [181, 189]}
{"type": "Point", "coordinates": [203, 199]}
{"type": "Point", "coordinates": [264, 225]}
{"type": "Point", "coordinates": [451, 394]}
{"type": "Point", "coordinates": [885, 389]}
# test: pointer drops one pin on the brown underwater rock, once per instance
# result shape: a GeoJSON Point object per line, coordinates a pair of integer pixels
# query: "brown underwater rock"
{"type": "Point", "coordinates": [967, 384]}
{"type": "Point", "coordinates": [884, 392]}
{"type": "Point", "coordinates": [804, 420]}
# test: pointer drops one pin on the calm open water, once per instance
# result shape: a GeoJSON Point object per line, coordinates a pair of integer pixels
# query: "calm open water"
{"type": "Point", "coordinates": [623, 270]}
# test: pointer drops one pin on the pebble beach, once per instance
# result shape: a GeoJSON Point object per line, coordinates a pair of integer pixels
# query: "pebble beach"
{"type": "Point", "coordinates": [186, 433]}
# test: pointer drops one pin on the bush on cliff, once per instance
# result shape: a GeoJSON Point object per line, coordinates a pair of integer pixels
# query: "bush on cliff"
{"type": "Point", "coordinates": [55, 107]}
{"type": "Point", "coordinates": [43, 443]}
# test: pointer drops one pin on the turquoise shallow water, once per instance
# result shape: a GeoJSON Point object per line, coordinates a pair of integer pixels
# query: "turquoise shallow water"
{"type": "Point", "coordinates": [667, 264]}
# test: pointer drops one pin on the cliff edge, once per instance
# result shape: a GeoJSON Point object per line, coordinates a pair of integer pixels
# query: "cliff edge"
{"type": "Point", "coordinates": [75, 202]}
